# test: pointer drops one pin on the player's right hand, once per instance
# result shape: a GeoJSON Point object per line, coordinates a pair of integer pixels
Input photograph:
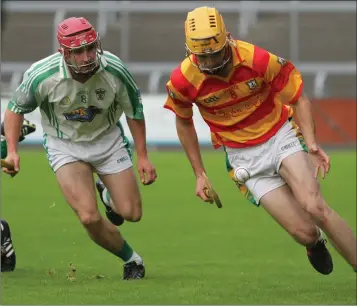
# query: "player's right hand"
{"type": "Point", "coordinates": [201, 188]}
{"type": "Point", "coordinates": [320, 159]}
{"type": "Point", "coordinates": [12, 158]}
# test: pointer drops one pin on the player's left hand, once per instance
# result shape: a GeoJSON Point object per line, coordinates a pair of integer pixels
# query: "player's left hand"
{"type": "Point", "coordinates": [320, 159]}
{"type": "Point", "coordinates": [146, 171]}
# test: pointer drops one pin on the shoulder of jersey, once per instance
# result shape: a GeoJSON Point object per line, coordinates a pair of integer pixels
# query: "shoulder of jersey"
{"type": "Point", "coordinates": [112, 59]}
{"type": "Point", "coordinates": [186, 76]}
{"type": "Point", "coordinates": [246, 51]}
{"type": "Point", "coordinates": [254, 56]}
{"type": "Point", "coordinates": [46, 63]}
{"type": "Point", "coordinates": [114, 65]}
{"type": "Point", "coordinates": [42, 70]}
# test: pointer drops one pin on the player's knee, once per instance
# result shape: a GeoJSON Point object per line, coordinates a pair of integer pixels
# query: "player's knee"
{"type": "Point", "coordinates": [132, 211]}
{"type": "Point", "coordinates": [88, 218]}
{"type": "Point", "coordinates": [305, 234]}
{"type": "Point", "coordinates": [317, 207]}
{"type": "Point", "coordinates": [133, 216]}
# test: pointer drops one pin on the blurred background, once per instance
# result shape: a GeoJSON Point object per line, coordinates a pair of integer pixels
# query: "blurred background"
{"type": "Point", "coordinates": [318, 36]}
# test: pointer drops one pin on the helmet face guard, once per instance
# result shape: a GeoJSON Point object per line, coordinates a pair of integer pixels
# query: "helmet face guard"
{"type": "Point", "coordinates": [211, 62]}
{"type": "Point", "coordinates": [83, 59]}
{"type": "Point", "coordinates": [80, 45]}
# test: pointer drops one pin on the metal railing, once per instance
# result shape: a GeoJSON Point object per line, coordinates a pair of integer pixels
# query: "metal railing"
{"type": "Point", "coordinates": [155, 72]}
{"type": "Point", "coordinates": [246, 10]}
{"type": "Point", "coordinates": [178, 6]}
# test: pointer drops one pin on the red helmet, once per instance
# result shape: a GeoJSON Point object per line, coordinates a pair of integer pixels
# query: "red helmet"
{"type": "Point", "coordinates": [79, 44]}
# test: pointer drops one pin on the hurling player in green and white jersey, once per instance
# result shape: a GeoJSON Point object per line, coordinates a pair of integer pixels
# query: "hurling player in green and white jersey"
{"type": "Point", "coordinates": [82, 92]}
{"type": "Point", "coordinates": [8, 254]}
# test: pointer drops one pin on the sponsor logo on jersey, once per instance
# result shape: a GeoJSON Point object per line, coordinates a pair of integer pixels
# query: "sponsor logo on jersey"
{"type": "Point", "coordinates": [211, 99]}
{"type": "Point", "coordinates": [83, 114]}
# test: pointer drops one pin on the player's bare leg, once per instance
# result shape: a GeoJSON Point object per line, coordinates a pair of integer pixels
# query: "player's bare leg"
{"type": "Point", "coordinates": [114, 217]}
{"type": "Point", "coordinates": [307, 192]}
{"type": "Point", "coordinates": [127, 206]}
{"type": "Point", "coordinates": [77, 185]}
{"type": "Point", "coordinates": [128, 203]}
{"type": "Point", "coordinates": [123, 196]}
{"type": "Point", "coordinates": [282, 206]}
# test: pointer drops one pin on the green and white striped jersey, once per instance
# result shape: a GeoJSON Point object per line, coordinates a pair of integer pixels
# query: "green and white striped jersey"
{"type": "Point", "coordinates": [76, 111]}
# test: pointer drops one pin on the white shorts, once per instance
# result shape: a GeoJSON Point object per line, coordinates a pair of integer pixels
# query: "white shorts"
{"type": "Point", "coordinates": [263, 161]}
{"type": "Point", "coordinates": [108, 154]}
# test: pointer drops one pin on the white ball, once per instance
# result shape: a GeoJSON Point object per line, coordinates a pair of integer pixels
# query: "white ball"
{"type": "Point", "coordinates": [241, 174]}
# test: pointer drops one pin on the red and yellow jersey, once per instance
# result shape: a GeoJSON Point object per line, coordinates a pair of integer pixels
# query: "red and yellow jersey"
{"type": "Point", "coordinates": [247, 107]}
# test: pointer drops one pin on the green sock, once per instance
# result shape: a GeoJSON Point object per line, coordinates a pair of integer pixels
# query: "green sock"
{"type": "Point", "coordinates": [126, 252]}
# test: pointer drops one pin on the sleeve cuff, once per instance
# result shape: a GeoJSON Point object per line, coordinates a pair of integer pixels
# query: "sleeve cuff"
{"type": "Point", "coordinates": [178, 115]}
{"type": "Point", "coordinates": [15, 109]}
{"type": "Point", "coordinates": [297, 95]}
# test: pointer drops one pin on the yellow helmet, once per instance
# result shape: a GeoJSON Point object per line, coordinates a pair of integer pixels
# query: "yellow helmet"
{"type": "Point", "coordinates": [205, 31]}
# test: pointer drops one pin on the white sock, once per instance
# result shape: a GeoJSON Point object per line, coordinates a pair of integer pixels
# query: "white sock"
{"type": "Point", "coordinates": [135, 257]}
{"type": "Point", "coordinates": [106, 197]}
{"type": "Point", "coordinates": [320, 236]}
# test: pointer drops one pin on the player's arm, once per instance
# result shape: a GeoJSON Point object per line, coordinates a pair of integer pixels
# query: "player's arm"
{"type": "Point", "coordinates": [130, 98]}
{"type": "Point", "coordinates": [23, 101]}
{"type": "Point", "coordinates": [188, 137]}
{"type": "Point", "coordinates": [185, 128]}
{"type": "Point", "coordinates": [133, 109]}
{"type": "Point", "coordinates": [286, 81]}
{"type": "Point", "coordinates": [138, 131]}
{"type": "Point", "coordinates": [304, 115]}
{"type": "Point", "coordinates": [12, 126]}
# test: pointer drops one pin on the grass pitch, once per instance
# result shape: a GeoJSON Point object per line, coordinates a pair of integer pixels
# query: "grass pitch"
{"type": "Point", "coordinates": [194, 252]}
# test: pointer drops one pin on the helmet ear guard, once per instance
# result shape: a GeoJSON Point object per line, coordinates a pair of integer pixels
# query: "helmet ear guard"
{"type": "Point", "coordinates": [99, 45]}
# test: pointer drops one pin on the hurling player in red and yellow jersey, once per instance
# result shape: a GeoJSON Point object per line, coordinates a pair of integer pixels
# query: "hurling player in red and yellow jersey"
{"type": "Point", "coordinates": [247, 97]}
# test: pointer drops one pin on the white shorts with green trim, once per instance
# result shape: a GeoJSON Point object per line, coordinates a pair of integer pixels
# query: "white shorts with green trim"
{"type": "Point", "coordinates": [260, 164]}
{"type": "Point", "coordinates": [110, 153]}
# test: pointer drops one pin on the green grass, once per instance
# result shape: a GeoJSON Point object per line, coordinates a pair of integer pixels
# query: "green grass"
{"type": "Point", "coordinates": [194, 252]}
